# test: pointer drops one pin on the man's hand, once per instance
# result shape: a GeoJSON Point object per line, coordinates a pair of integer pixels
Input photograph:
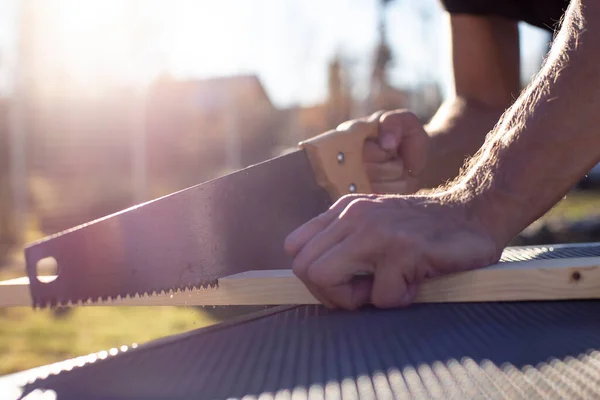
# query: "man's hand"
{"type": "Point", "coordinates": [395, 160]}
{"type": "Point", "coordinates": [398, 240]}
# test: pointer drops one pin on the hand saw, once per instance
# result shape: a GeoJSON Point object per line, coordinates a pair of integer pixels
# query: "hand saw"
{"type": "Point", "coordinates": [192, 238]}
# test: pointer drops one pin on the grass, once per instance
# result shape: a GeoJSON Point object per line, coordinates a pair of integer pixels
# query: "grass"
{"type": "Point", "coordinates": [30, 338]}
{"type": "Point", "coordinates": [576, 206]}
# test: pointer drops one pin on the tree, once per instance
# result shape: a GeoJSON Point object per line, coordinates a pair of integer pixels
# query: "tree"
{"type": "Point", "coordinates": [7, 228]}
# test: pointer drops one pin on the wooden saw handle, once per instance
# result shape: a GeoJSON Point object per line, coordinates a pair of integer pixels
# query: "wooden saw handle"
{"type": "Point", "coordinates": [336, 157]}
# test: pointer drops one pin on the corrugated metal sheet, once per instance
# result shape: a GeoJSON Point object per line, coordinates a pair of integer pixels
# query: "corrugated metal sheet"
{"type": "Point", "coordinates": [530, 253]}
{"type": "Point", "coordinates": [489, 350]}
{"type": "Point", "coordinates": [521, 350]}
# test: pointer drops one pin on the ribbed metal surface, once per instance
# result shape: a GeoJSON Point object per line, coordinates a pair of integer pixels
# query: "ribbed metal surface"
{"type": "Point", "coordinates": [516, 254]}
{"type": "Point", "coordinates": [487, 350]}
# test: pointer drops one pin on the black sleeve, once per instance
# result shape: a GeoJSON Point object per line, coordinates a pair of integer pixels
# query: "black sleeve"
{"type": "Point", "coordinates": [544, 14]}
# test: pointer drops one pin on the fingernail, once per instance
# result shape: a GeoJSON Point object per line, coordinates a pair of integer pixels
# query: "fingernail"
{"type": "Point", "coordinates": [388, 142]}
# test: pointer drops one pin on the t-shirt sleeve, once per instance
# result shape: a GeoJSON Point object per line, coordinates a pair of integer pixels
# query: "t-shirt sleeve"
{"type": "Point", "coordinates": [545, 14]}
{"type": "Point", "coordinates": [478, 7]}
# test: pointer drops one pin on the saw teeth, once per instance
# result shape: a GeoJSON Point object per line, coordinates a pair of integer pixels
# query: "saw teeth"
{"type": "Point", "coordinates": [115, 300]}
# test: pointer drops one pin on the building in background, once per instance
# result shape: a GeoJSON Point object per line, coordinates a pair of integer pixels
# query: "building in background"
{"type": "Point", "coordinates": [85, 153]}
{"type": "Point", "coordinates": [197, 129]}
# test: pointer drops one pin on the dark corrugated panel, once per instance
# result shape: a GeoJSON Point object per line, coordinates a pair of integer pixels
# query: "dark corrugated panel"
{"type": "Point", "coordinates": [530, 253]}
{"type": "Point", "coordinates": [488, 350]}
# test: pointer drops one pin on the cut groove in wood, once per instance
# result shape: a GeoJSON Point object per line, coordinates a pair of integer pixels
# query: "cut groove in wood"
{"type": "Point", "coordinates": [554, 279]}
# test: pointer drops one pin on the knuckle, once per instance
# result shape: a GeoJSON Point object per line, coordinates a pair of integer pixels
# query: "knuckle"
{"type": "Point", "coordinates": [322, 218]}
{"type": "Point", "coordinates": [344, 201]}
{"type": "Point", "coordinates": [352, 124]}
{"type": "Point", "coordinates": [401, 117]}
{"type": "Point", "coordinates": [314, 275]}
{"type": "Point", "coordinates": [357, 208]}
{"type": "Point", "coordinates": [377, 114]}
{"type": "Point", "coordinates": [392, 113]}
{"type": "Point", "coordinates": [299, 268]}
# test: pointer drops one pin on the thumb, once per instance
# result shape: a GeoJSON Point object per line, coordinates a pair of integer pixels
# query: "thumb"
{"type": "Point", "coordinates": [390, 132]}
{"type": "Point", "coordinates": [389, 139]}
{"type": "Point", "coordinates": [403, 132]}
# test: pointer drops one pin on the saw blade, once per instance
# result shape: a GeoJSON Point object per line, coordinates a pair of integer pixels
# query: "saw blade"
{"type": "Point", "coordinates": [188, 239]}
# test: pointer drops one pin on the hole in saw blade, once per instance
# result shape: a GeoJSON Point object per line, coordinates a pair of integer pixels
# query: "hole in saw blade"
{"type": "Point", "coordinates": [46, 269]}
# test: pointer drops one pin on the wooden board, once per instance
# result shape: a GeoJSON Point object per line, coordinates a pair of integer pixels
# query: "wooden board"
{"type": "Point", "coordinates": [554, 279]}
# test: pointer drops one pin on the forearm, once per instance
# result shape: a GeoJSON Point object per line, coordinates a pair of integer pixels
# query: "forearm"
{"type": "Point", "coordinates": [547, 140]}
{"type": "Point", "coordinates": [457, 131]}
{"type": "Point", "coordinates": [485, 64]}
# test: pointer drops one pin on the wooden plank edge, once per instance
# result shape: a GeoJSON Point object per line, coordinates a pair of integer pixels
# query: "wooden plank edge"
{"type": "Point", "coordinates": [549, 281]}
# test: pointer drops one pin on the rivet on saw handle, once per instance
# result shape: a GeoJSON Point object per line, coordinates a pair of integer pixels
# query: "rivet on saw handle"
{"type": "Point", "coordinates": [336, 157]}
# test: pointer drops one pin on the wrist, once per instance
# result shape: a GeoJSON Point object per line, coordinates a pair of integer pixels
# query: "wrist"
{"type": "Point", "coordinates": [498, 215]}
{"type": "Point", "coordinates": [486, 213]}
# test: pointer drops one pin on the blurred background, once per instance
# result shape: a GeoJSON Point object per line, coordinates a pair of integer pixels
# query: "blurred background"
{"type": "Point", "coordinates": [108, 103]}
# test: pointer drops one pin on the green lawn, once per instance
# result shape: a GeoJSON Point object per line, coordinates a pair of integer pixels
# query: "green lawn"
{"type": "Point", "coordinates": [576, 206]}
{"type": "Point", "coordinates": [30, 338]}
